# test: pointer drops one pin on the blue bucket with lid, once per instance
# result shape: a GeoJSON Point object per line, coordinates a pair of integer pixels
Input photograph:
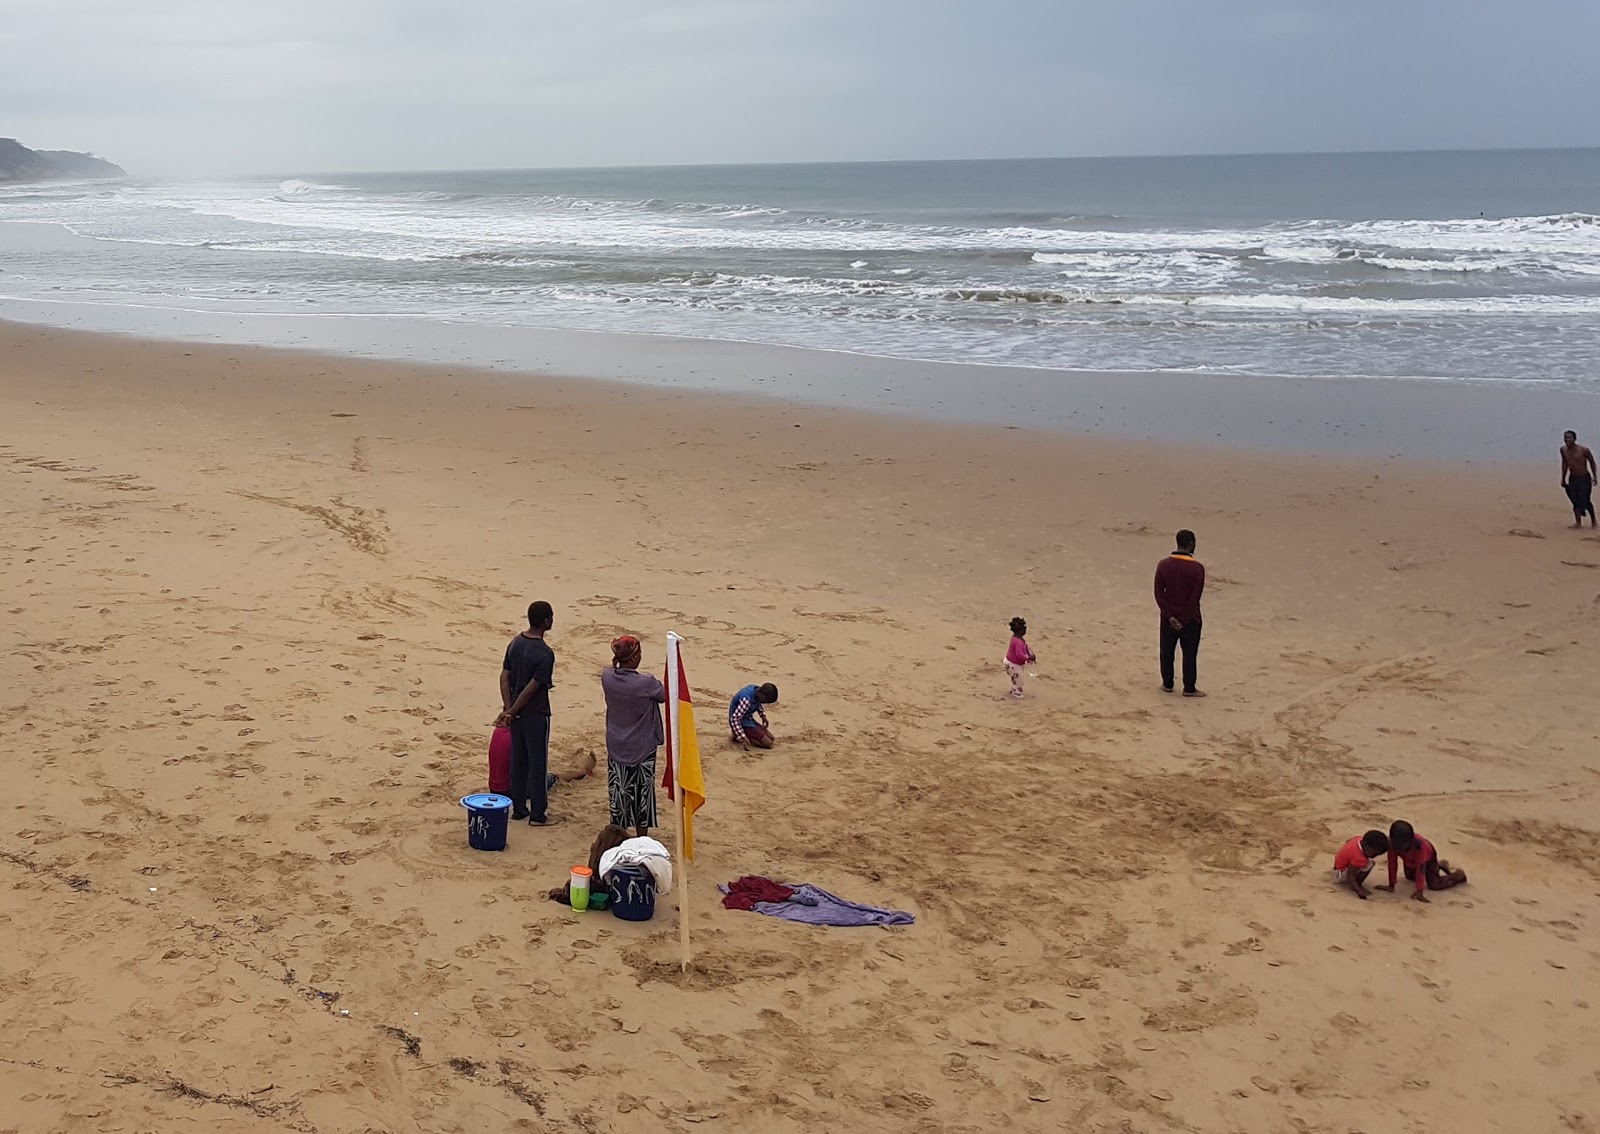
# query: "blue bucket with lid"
{"type": "Point", "coordinates": [633, 893]}
{"type": "Point", "coordinates": [487, 816]}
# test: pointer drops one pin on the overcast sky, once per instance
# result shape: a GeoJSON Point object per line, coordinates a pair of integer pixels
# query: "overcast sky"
{"type": "Point", "coordinates": [224, 86]}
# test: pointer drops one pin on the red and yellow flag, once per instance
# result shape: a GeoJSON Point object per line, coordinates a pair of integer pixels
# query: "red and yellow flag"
{"type": "Point", "coordinates": [683, 747]}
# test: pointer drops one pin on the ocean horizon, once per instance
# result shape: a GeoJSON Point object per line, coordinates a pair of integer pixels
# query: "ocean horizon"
{"type": "Point", "coordinates": [1479, 265]}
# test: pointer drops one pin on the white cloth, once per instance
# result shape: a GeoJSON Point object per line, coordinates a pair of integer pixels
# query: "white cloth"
{"type": "Point", "coordinates": [641, 852]}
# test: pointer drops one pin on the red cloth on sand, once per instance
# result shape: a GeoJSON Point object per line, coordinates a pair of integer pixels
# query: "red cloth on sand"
{"type": "Point", "coordinates": [752, 888]}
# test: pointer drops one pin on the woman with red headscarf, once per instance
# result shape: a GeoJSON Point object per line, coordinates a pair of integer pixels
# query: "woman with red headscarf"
{"type": "Point", "coordinates": [633, 733]}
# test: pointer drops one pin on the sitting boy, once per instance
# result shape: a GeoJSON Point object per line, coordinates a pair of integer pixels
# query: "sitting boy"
{"type": "Point", "coordinates": [1354, 861]}
{"type": "Point", "coordinates": [747, 720]}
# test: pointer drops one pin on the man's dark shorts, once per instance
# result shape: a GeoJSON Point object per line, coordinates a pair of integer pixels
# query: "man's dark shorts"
{"type": "Point", "coordinates": [1580, 491]}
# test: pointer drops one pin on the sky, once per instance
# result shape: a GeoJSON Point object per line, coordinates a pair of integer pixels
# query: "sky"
{"type": "Point", "coordinates": [184, 87]}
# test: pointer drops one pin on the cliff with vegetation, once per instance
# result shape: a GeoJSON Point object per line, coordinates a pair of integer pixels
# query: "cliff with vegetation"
{"type": "Point", "coordinates": [19, 163]}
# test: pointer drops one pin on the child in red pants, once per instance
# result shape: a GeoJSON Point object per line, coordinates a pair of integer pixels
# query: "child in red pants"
{"type": "Point", "coordinates": [1423, 864]}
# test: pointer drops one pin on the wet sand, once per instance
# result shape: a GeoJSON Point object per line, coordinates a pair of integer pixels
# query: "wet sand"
{"type": "Point", "coordinates": [1434, 419]}
{"type": "Point", "coordinates": [255, 605]}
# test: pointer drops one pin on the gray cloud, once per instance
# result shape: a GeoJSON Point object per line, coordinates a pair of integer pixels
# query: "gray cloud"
{"type": "Point", "coordinates": [294, 85]}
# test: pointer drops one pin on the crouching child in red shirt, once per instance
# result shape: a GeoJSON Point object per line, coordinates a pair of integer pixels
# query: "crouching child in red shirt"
{"type": "Point", "coordinates": [1354, 861]}
{"type": "Point", "coordinates": [1423, 864]}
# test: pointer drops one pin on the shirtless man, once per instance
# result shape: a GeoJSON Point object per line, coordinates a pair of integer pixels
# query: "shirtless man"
{"type": "Point", "coordinates": [1577, 477]}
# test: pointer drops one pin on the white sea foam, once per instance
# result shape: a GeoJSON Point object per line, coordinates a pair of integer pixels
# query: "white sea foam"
{"type": "Point", "coordinates": [1510, 305]}
{"type": "Point", "coordinates": [447, 226]}
{"type": "Point", "coordinates": [296, 188]}
{"type": "Point", "coordinates": [1018, 284]}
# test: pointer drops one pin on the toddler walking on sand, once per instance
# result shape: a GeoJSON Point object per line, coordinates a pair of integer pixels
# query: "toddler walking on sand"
{"type": "Point", "coordinates": [1018, 655]}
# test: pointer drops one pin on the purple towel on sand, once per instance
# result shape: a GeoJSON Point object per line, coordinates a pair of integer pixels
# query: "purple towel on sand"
{"type": "Point", "coordinates": [815, 906]}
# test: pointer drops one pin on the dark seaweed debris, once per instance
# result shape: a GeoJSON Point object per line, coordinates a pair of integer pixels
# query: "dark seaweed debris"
{"type": "Point", "coordinates": [413, 1045]}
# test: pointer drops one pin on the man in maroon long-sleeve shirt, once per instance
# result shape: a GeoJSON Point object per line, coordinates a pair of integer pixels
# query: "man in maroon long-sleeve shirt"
{"type": "Point", "coordinates": [1180, 579]}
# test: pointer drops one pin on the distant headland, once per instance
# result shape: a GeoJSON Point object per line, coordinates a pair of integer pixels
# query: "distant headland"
{"type": "Point", "coordinates": [19, 163]}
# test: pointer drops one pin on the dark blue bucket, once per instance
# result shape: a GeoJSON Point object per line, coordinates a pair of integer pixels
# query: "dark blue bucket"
{"type": "Point", "coordinates": [633, 893]}
{"type": "Point", "coordinates": [487, 815]}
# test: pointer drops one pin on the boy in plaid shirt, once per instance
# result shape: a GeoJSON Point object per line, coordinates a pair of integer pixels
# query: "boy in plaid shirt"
{"type": "Point", "coordinates": [747, 718]}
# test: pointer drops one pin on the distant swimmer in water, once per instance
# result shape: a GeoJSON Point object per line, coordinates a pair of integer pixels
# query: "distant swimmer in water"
{"type": "Point", "coordinates": [1577, 477]}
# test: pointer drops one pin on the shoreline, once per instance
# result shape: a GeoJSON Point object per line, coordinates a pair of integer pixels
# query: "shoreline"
{"type": "Point", "coordinates": [1432, 418]}
{"type": "Point", "coordinates": [1427, 418]}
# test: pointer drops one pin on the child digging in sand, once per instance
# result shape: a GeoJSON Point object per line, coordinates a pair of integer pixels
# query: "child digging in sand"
{"type": "Point", "coordinates": [1423, 864]}
{"type": "Point", "coordinates": [1018, 654]}
{"type": "Point", "coordinates": [1354, 861]}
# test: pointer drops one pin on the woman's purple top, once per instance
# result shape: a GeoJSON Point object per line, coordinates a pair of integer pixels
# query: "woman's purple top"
{"type": "Point", "coordinates": [633, 722]}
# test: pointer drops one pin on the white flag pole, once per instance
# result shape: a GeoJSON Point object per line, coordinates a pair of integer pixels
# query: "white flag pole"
{"type": "Point", "coordinates": [673, 669]}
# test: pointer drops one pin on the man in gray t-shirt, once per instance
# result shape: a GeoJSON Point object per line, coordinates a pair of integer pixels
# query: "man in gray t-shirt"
{"type": "Point", "coordinates": [526, 677]}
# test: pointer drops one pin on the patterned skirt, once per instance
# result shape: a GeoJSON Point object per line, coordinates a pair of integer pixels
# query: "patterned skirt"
{"type": "Point", "coordinates": [631, 790]}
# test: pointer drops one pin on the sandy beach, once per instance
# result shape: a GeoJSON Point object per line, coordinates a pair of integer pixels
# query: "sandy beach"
{"type": "Point", "coordinates": [256, 603]}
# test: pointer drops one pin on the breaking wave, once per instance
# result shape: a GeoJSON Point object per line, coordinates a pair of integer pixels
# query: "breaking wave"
{"type": "Point", "coordinates": [1040, 279]}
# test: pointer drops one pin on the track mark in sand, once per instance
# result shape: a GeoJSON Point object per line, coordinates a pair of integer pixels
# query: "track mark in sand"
{"type": "Point", "coordinates": [358, 456]}
{"type": "Point", "coordinates": [875, 615]}
{"type": "Point", "coordinates": [73, 881]}
{"type": "Point", "coordinates": [371, 601]}
{"type": "Point", "coordinates": [45, 465]}
{"type": "Point", "coordinates": [821, 660]}
{"type": "Point", "coordinates": [287, 1112]}
{"type": "Point", "coordinates": [411, 1043]}
{"type": "Point", "coordinates": [362, 527]}
{"type": "Point", "coordinates": [1414, 564]}
{"type": "Point", "coordinates": [830, 588]}
{"type": "Point", "coordinates": [1576, 847]}
{"type": "Point", "coordinates": [511, 1076]}
{"type": "Point", "coordinates": [1525, 533]}
{"type": "Point", "coordinates": [712, 967]}
{"type": "Point", "coordinates": [119, 482]}
{"type": "Point", "coordinates": [433, 855]}
{"type": "Point", "coordinates": [1579, 563]}
{"type": "Point", "coordinates": [599, 632]}
{"type": "Point", "coordinates": [446, 583]}
{"type": "Point", "coordinates": [656, 613]}
{"type": "Point", "coordinates": [1233, 1006]}
{"type": "Point", "coordinates": [89, 474]}
{"type": "Point", "coordinates": [215, 936]}
{"type": "Point", "coordinates": [1304, 723]}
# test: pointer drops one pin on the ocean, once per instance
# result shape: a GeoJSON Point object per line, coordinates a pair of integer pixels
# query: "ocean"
{"type": "Point", "coordinates": [1477, 265]}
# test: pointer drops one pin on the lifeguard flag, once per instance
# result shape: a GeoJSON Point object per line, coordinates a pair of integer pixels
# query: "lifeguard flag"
{"type": "Point", "coordinates": [683, 747]}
